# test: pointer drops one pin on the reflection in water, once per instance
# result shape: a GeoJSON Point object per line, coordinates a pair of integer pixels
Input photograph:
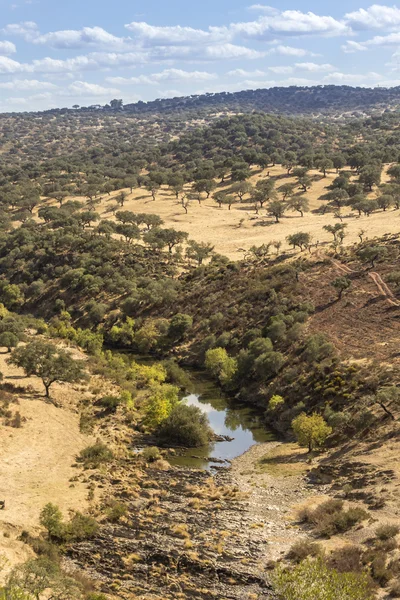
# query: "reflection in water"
{"type": "Point", "coordinates": [226, 418]}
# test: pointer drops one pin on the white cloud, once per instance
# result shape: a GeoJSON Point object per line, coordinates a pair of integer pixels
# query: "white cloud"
{"type": "Point", "coordinates": [87, 36]}
{"type": "Point", "coordinates": [291, 51]}
{"type": "Point", "coordinates": [83, 88]}
{"type": "Point", "coordinates": [27, 84]}
{"type": "Point", "coordinates": [26, 29]}
{"type": "Point", "coordinates": [244, 73]}
{"type": "Point", "coordinates": [227, 51]}
{"type": "Point", "coordinates": [7, 48]}
{"type": "Point", "coordinates": [162, 36]}
{"type": "Point", "coordinates": [281, 70]}
{"type": "Point", "coordinates": [264, 9]}
{"type": "Point", "coordinates": [166, 75]}
{"type": "Point", "coordinates": [377, 16]}
{"type": "Point", "coordinates": [352, 78]}
{"type": "Point", "coordinates": [314, 68]}
{"type": "Point", "coordinates": [351, 46]}
{"type": "Point", "coordinates": [8, 65]}
{"type": "Point", "coordinates": [289, 23]}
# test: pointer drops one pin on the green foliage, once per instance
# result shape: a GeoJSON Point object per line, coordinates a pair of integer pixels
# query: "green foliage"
{"type": "Point", "coordinates": [330, 518]}
{"type": "Point", "coordinates": [161, 402]}
{"type": "Point", "coordinates": [220, 365]}
{"type": "Point", "coordinates": [80, 527]}
{"type": "Point", "coordinates": [9, 340]}
{"type": "Point", "coordinates": [48, 362]}
{"type": "Point", "coordinates": [151, 454]}
{"type": "Point", "coordinates": [311, 431]}
{"type": "Point", "coordinates": [275, 402]}
{"type": "Point", "coordinates": [179, 325]}
{"type": "Point", "coordinates": [185, 426]}
{"type": "Point", "coordinates": [314, 580]}
{"type": "Point", "coordinates": [341, 284]}
{"type": "Point", "coordinates": [95, 455]}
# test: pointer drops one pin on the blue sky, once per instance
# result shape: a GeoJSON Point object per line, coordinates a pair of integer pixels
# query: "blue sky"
{"type": "Point", "coordinates": [57, 53]}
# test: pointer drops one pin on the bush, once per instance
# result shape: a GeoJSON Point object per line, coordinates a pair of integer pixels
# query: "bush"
{"type": "Point", "coordinates": [395, 589]}
{"type": "Point", "coordinates": [95, 455]}
{"type": "Point", "coordinates": [163, 399]}
{"type": "Point", "coordinates": [314, 580]}
{"type": "Point", "coordinates": [330, 517]}
{"type": "Point", "coordinates": [379, 571]}
{"type": "Point", "coordinates": [80, 527]}
{"type": "Point", "coordinates": [179, 325]}
{"type": "Point", "coordinates": [151, 454]}
{"type": "Point", "coordinates": [220, 365]}
{"type": "Point", "coordinates": [176, 375]}
{"type": "Point", "coordinates": [8, 340]}
{"type": "Point", "coordinates": [115, 511]}
{"type": "Point", "coordinates": [386, 532]}
{"type": "Point", "coordinates": [186, 426]}
{"type": "Point", "coordinates": [303, 549]}
{"type": "Point", "coordinates": [275, 402]}
{"type": "Point", "coordinates": [346, 559]}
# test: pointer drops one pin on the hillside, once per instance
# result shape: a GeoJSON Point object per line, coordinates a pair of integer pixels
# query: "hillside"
{"type": "Point", "coordinates": [256, 252]}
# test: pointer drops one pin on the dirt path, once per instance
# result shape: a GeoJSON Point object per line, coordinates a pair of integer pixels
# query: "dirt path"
{"type": "Point", "coordinates": [36, 462]}
{"type": "Point", "coordinates": [383, 288]}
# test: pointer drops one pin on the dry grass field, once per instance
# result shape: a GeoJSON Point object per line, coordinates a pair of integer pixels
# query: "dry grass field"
{"type": "Point", "coordinates": [233, 232]}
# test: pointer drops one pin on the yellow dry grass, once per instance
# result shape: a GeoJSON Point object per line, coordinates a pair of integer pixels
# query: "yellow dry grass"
{"type": "Point", "coordinates": [222, 228]}
{"type": "Point", "coordinates": [285, 460]}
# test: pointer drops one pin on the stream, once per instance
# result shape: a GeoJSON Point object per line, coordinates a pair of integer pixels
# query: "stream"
{"type": "Point", "coordinates": [227, 418]}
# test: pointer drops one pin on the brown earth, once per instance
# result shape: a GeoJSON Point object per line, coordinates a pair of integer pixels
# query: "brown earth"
{"type": "Point", "coordinates": [37, 458]}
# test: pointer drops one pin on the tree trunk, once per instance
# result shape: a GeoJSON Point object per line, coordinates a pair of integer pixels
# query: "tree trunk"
{"type": "Point", "coordinates": [387, 411]}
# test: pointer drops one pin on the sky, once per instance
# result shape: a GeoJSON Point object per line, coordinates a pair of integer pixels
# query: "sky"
{"type": "Point", "coordinates": [58, 53]}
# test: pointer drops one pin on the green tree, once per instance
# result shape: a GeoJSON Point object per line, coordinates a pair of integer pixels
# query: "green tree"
{"type": "Point", "coordinates": [161, 402]}
{"type": "Point", "coordinates": [276, 209]}
{"type": "Point", "coordinates": [48, 362]}
{"type": "Point", "coordinates": [186, 426]}
{"type": "Point", "coordinates": [300, 239]}
{"type": "Point", "coordinates": [341, 284]}
{"type": "Point", "coordinates": [220, 365]}
{"type": "Point", "coordinates": [199, 251]}
{"type": "Point", "coordinates": [370, 175]}
{"type": "Point", "coordinates": [323, 165]}
{"type": "Point", "coordinates": [311, 431]}
{"type": "Point", "coordinates": [8, 340]}
{"type": "Point", "coordinates": [372, 253]}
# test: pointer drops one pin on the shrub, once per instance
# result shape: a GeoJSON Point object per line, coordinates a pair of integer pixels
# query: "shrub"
{"type": "Point", "coordinates": [95, 455]}
{"type": "Point", "coordinates": [311, 431]}
{"type": "Point", "coordinates": [303, 549]}
{"type": "Point", "coordinates": [220, 365]}
{"type": "Point", "coordinates": [163, 399]}
{"type": "Point", "coordinates": [115, 511]}
{"type": "Point", "coordinates": [314, 580]}
{"type": "Point", "coordinates": [8, 340]}
{"type": "Point", "coordinates": [395, 589]}
{"type": "Point", "coordinates": [346, 559]}
{"type": "Point", "coordinates": [330, 517]}
{"type": "Point", "coordinates": [151, 454]}
{"type": "Point", "coordinates": [386, 532]}
{"type": "Point", "coordinates": [179, 325]}
{"type": "Point", "coordinates": [275, 402]}
{"type": "Point", "coordinates": [176, 375]}
{"type": "Point", "coordinates": [80, 527]}
{"type": "Point", "coordinates": [186, 426]}
{"type": "Point", "coordinates": [379, 571]}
